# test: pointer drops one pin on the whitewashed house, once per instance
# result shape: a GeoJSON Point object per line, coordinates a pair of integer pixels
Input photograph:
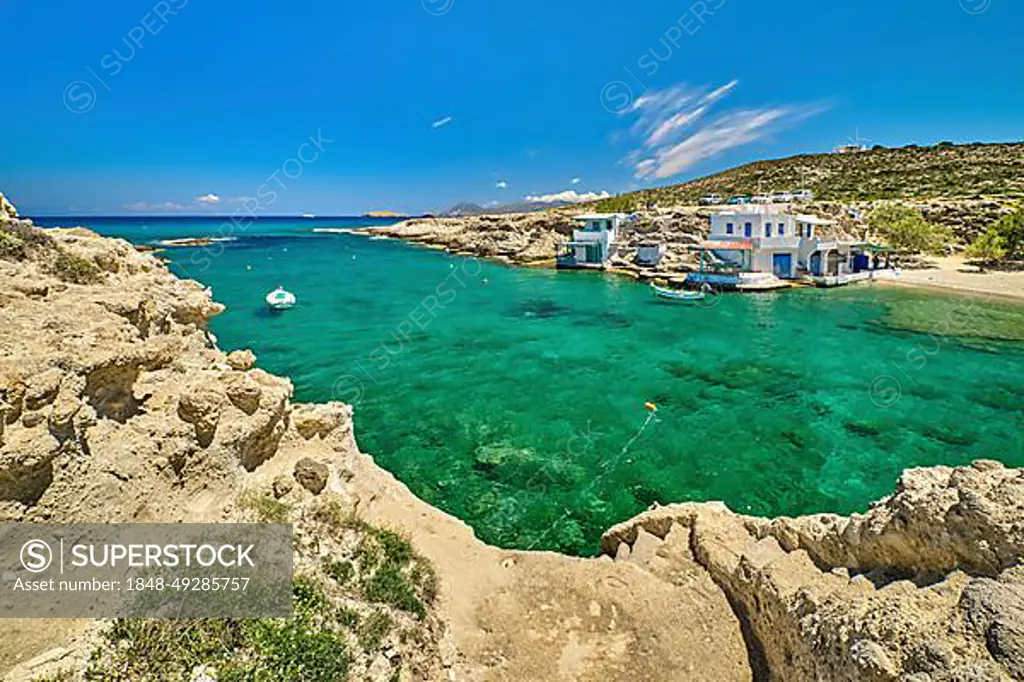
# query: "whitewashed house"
{"type": "Point", "coordinates": [768, 240]}
{"type": "Point", "coordinates": [761, 247]}
{"type": "Point", "coordinates": [594, 242]}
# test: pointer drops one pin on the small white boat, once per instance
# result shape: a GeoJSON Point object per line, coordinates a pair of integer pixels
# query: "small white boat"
{"type": "Point", "coordinates": [279, 299]}
{"type": "Point", "coordinates": [678, 294]}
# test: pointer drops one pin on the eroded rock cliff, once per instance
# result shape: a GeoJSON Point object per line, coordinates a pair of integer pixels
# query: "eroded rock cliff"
{"type": "Point", "coordinates": [117, 405]}
{"type": "Point", "coordinates": [927, 585]}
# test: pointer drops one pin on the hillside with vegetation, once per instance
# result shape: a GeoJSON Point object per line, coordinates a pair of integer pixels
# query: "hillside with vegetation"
{"type": "Point", "coordinates": [912, 172]}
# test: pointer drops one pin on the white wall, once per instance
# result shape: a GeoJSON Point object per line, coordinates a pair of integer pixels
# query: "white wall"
{"type": "Point", "coordinates": [758, 222]}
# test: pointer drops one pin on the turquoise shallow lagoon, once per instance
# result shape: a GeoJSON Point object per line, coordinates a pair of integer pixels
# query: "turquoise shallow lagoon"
{"type": "Point", "coordinates": [516, 402]}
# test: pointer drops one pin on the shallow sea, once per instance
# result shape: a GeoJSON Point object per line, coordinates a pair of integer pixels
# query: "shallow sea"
{"type": "Point", "coordinates": [515, 399]}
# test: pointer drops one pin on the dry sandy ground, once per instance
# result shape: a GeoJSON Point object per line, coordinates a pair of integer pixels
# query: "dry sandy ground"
{"type": "Point", "coordinates": [954, 273]}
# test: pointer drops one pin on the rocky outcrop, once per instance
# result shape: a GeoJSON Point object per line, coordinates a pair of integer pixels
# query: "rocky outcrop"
{"type": "Point", "coordinates": [926, 586]}
{"type": "Point", "coordinates": [532, 239]}
{"type": "Point", "coordinates": [117, 405]}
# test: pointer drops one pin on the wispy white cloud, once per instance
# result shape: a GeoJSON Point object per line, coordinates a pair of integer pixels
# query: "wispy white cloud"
{"type": "Point", "coordinates": [671, 141]}
{"type": "Point", "coordinates": [145, 206]}
{"type": "Point", "coordinates": [501, 184]}
{"type": "Point", "coordinates": [208, 199]}
{"type": "Point", "coordinates": [441, 122]}
{"type": "Point", "coordinates": [576, 181]}
{"type": "Point", "coordinates": [569, 196]}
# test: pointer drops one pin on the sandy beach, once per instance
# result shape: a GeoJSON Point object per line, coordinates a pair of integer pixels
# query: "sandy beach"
{"type": "Point", "coordinates": [953, 273]}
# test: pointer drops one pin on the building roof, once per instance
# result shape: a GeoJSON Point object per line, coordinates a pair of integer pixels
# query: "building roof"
{"type": "Point", "coordinates": [725, 245]}
{"type": "Point", "coordinates": [814, 220]}
{"type": "Point", "coordinates": [600, 216]}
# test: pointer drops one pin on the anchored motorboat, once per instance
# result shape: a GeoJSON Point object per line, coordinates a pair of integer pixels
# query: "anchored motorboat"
{"type": "Point", "coordinates": [279, 299]}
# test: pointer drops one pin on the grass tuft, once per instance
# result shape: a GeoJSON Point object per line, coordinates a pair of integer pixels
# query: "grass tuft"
{"type": "Point", "coordinates": [265, 507]}
{"type": "Point", "coordinates": [299, 649]}
{"type": "Point", "coordinates": [75, 269]}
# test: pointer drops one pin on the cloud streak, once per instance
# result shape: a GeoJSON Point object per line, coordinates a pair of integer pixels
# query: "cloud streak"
{"type": "Point", "coordinates": [208, 199]}
{"type": "Point", "coordinates": [568, 196]}
{"type": "Point", "coordinates": [677, 128]}
{"type": "Point", "coordinates": [440, 123]}
{"type": "Point", "coordinates": [144, 206]}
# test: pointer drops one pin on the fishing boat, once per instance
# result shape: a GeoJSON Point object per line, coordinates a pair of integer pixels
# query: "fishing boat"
{"type": "Point", "coordinates": [279, 299]}
{"type": "Point", "coordinates": [678, 294]}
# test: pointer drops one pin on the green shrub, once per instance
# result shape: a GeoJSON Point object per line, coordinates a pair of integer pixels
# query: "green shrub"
{"type": "Point", "coordinates": [11, 246]}
{"type": "Point", "coordinates": [987, 248]}
{"type": "Point", "coordinates": [1010, 229]}
{"type": "Point", "coordinates": [340, 571]}
{"type": "Point", "coordinates": [298, 649]}
{"type": "Point", "coordinates": [905, 228]}
{"type": "Point", "coordinates": [374, 629]}
{"type": "Point", "coordinates": [75, 269]}
{"type": "Point", "coordinates": [392, 574]}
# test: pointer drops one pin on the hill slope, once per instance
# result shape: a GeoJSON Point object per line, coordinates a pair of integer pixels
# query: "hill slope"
{"type": "Point", "coordinates": [907, 173]}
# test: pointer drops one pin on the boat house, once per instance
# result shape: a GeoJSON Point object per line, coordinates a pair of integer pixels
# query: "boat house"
{"type": "Point", "coordinates": [594, 241]}
{"type": "Point", "coordinates": [778, 242]}
{"type": "Point", "coordinates": [649, 254]}
{"type": "Point", "coordinates": [764, 247]}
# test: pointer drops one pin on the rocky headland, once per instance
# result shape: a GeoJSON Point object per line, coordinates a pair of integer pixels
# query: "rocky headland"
{"type": "Point", "coordinates": [532, 239]}
{"type": "Point", "coordinates": [117, 405]}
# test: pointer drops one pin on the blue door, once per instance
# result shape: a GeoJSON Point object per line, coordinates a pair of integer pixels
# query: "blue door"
{"type": "Point", "coordinates": [816, 263]}
{"type": "Point", "coordinates": [782, 265]}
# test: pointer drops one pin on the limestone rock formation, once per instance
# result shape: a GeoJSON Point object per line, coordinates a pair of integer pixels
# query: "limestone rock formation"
{"type": "Point", "coordinates": [926, 586]}
{"type": "Point", "coordinates": [117, 405]}
{"type": "Point", "coordinates": [312, 475]}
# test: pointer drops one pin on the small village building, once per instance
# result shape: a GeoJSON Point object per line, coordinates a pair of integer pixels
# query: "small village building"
{"type": "Point", "coordinates": [779, 242]}
{"type": "Point", "coordinates": [762, 247]}
{"type": "Point", "coordinates": [649, 254]}
{"type": "Point", "coordinates": [594, 241]}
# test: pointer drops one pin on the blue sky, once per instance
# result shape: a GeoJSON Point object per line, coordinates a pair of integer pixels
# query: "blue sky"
{"type": "Point", "coordinates": [142, 106]}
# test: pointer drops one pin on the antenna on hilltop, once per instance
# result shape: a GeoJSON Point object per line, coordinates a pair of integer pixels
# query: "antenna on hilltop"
{"type": "Point", "coordinates": [857, 140]}
{"type": "Point", "coordinates": [856, 144]}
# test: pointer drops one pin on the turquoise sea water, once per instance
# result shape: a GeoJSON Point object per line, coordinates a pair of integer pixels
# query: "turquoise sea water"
{"type": "Point", "coordinates": [514, 398]}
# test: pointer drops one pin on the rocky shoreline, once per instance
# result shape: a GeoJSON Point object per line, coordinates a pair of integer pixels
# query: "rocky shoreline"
{"type": "Point", "coordinates": [116, 405]}
{"type": "Point", "coordinates": [532, 239]}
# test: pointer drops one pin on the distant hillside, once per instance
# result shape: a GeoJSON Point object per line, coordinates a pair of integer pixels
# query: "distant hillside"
{"type": "Point", "coordinates": [944, 170]}
{"type": "Point", "coordinates": [468, 208]}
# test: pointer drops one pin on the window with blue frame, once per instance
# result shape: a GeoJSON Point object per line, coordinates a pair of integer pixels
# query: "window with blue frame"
{"type": "Point", "coordinates": [728, 228]}
{"type": "Point", "coordinates": [748, 230]}
{"type": "Point", "coordinates": [782, 229]}
{"type": "Point", "coordinates": [767, 229]}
